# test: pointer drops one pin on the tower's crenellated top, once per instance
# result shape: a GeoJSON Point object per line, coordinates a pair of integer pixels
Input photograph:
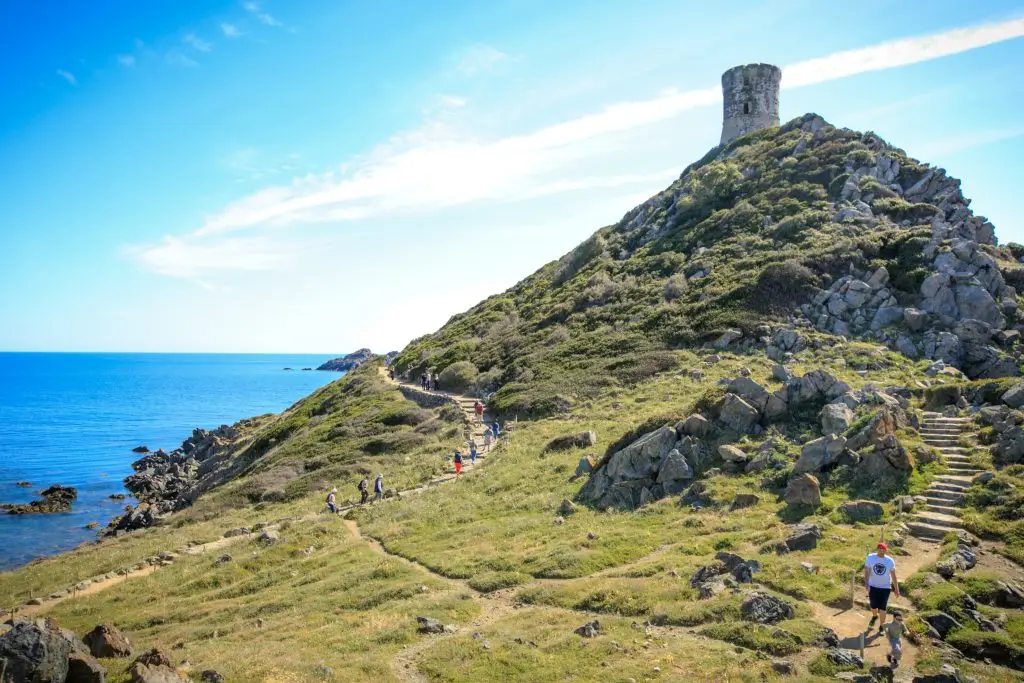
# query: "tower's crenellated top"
{"type": "Point", "coordinates": [750, 96]}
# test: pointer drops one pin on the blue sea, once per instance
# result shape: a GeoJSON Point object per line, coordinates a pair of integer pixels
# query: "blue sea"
{"type": "Point", "coordinates": [73, 418]}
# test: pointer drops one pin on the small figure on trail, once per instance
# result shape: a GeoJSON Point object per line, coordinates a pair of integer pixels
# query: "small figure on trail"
{"type": "Point", "coordinates": [495, 429]}
{"type": "Point", "coordinates": [331, 497]}
{"type": "Point", "coordinates": [894, 632]}
{"type": "Point", "coordinates": [378, 487]}
{"type": "Point", "coordinates": [880, 580]}
{"type": "Point", "coordinates": [364, 491]}
{"type": "Point", "coordinates": [472, 451]}
{"type": "Point", "coordinates": [487, 440]}
{"type": "Point", "coordinates": [458, 462]}
{"type": "Point", "coordinates": [425, 381]}
{"type": "Point", "coordinates": [391, 374]}
{"type": "Point", "coordinates": [478, 408]}
{"type": "Point", "coordinates": [437, 382]}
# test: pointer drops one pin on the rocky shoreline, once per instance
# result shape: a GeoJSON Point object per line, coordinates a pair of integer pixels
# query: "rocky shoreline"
{"type": "Point", "coordinates": [166, 482]}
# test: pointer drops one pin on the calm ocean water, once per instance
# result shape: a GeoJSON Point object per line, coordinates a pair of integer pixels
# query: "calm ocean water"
{"type": "Point", "coordinates": [73, 418]}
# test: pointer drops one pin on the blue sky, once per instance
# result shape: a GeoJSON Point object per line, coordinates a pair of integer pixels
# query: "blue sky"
{"type": "Point", "coordinates": [314, 176]}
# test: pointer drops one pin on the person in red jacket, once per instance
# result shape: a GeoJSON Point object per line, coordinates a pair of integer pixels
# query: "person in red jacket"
{"type": "Point", "coordinates": [478, 408]}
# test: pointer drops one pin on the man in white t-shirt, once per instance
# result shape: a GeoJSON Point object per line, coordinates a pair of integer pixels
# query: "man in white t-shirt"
{"type": "Point", "coordinates": [880, 580]}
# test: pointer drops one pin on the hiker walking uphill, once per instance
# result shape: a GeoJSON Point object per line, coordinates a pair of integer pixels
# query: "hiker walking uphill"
{"type": "Point", "coordinates": [364, 491]}
{"type": "Point", "coordinates": [458, 462]}
{"type": "Point", "coordinates": [331, 500]}
{"type": "Point", "coordinates": [378, 488]}
{"type": "Point", "coordinates": [880, 580]}
{"type": "Point", "coordinates": [425, 382]}
{"type": "Point", "coordinates": [478, 408]}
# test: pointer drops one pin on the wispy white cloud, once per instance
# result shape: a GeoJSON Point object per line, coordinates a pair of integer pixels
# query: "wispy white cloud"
{"type": "Point", "coordinates": [67, 76]}
{"type": "Point", "coordinates": [479, 59]}
{"type": "Point", "coordinates": [179, 58]}
{"type": "Point", "coordinates": [230, 30]}
{"type": "Point", "coordinates": [440, 166]}
{"type": "Point", "coordinates": [190, 259]}
{"type": "Point", "coordinates": [256, 10]}
{"type": "Point", "coordinates": [197, 43]}
{"type": "Point", "coordinates": [899, 53]}
{"type": "Point", "coordinates": [126, 60]}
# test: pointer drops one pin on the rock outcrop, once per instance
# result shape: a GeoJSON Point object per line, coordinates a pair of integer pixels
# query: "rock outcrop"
{"type": "Point", "coordinates": [55, 499]}
{"type": "Point", "coordinates": [660, 463]}
{"type": "Point", "coordinates": [348, 362]}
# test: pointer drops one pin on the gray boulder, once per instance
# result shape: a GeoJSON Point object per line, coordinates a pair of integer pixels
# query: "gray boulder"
{"type": "Point", "coordinates": [750, 391]}
{"type": "Point", "coordinates": [915, 319]}
{"type": "Point", "coordinates": [744, 500]}
{"type": "Point", "coordinates": [804, 537]}
{"type": "Point", "coordinates": [836, 418]}
{"type": "Point", "coordinates": [762, 608]}
{"type": "Point", "coordinates": [942, 623]}
{"type": "Point", "coordinates": [675, 473]}
{"type": "Point", "coordinates": [695, 425]}
{"type": "Point", "coordinates": [819, 454]}
{"type": "Point", "coordinates": [731, 454]}
{"type": "Point", "coordinates": [803, 489]}
{"type": "Point", "coordinates": [428, 625]}
{"type": "Point", "coordinates": [862, 510]}
{"type": "Point", "coordinates": [33, 655]}
{"type": "Point", "coordinates": [727, 338]}
{"type": "Point", "coordinates": [844, 658]}
{"type": "Point", "coordinates": [1014, 396]}
{"type": "Point", "coordinates": [737, 414]}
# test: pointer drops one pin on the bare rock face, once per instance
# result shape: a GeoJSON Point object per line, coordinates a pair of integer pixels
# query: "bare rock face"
{"type": "Point", "coordinates": [836, 418]}
{"type": "Point", "coordinates": [106, 641]}
{"type": "Point", "coordinates": [659, 463]}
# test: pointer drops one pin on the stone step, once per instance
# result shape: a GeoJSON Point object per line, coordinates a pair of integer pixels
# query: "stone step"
{"type": "Point", "coordinates": [927, 531]}
{"type": "Point", "coordinates": [953, 479]}
{"type": "Point", "coordinates": [941, 429]}
{"type": "Point", "coordinates": [943, 509]}
{"type": "Point", "coordinates": [935, 497]}
{"type": "Point", "coordinates": [939, 519]}
{"type": "Point", "coordinates": [963, 468]}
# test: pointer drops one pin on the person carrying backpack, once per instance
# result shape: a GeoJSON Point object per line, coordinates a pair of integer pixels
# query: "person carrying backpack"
{"type": "Point", "coordinates": [364, 491]}
{"type": "Point", "coordinates": [458, 462]}
{"type": "Point", "coordinates": [472, 452]}
{"type": "Point", "coordinates": [478, 408]}
{"type": "Point", "coordinates": [378, 487]}
{"type": "Point", "coordinates": [331, 498]}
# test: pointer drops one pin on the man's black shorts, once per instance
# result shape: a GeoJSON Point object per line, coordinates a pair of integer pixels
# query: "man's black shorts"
{"type": "Point", "coordinates": [878, 598]}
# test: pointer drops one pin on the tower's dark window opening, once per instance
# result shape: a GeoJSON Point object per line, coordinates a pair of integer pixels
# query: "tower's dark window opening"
{"type": "Point", "coordinates": [746, 107]}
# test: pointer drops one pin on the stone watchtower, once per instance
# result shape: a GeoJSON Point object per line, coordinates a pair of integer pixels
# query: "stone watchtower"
{"type": "Point", "coordinates": [751, 98]}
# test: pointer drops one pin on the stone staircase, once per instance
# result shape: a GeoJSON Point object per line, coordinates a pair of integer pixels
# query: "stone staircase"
{"type": "Point", "coordinates": [941, 514]}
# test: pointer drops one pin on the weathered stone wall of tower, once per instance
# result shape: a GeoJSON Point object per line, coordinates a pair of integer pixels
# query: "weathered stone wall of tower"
{"type": "Point", "coordinates": [750, 96]}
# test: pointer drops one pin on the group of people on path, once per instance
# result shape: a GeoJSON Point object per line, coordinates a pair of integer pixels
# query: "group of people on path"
{"type": "Point", "coordinates": [430, 382]}
{"type": "Point", "coordinates": [364, 493]}
{"type": "Point", "coordinates": [491, 434]}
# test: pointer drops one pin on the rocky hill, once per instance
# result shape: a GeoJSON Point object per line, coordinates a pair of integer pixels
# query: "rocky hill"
{"type": "Point", "coordinates": [712, 411]}
{"type": "Point", "coordinates": [806, 225]}
{"type": "Point", "coordinates": [349, 361]}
